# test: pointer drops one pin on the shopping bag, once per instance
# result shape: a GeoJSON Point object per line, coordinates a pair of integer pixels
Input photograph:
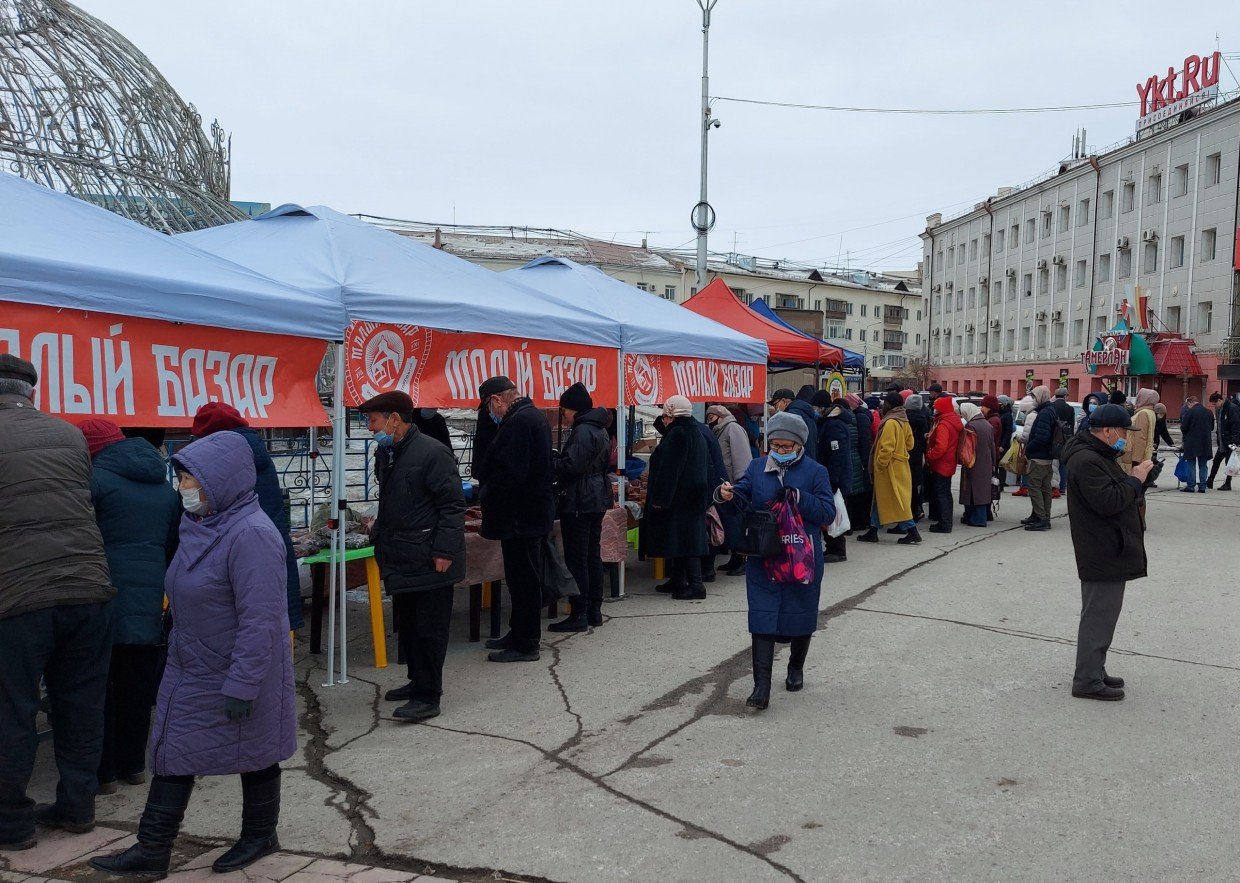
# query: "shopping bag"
{"type": "Point", "coordinates": [1015, 461]}
{"type": "Point", "coordinates": [1183, 471]}
{"type": "Point", "coordinates": [1233, 465]}
{"type": "Point", "coordinates": [557, 579]}
{"type": "Point", "coordinates": [795, 562]}
{"type": "Point", "coordinates": [714, 527]}
{"type": "Point", "coordinates": [759, 535]}
{"type": "Point", "coordinates": [841, 524]}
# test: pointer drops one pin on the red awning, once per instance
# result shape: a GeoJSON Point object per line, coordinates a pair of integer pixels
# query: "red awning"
{"type": "Point", "coordinates": [716, 301]}
{"type": "Point", "coordinates": [1175, 358]}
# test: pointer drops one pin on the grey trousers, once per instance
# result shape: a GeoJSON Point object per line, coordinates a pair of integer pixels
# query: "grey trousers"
{"type": "Point", "coordinates": [1100, 606]}
{"type": "Point", "coordinates": [1040, 480]}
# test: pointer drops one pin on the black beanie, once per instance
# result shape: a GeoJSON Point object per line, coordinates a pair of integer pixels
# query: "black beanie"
{"type": "Point", "coordinates": [821, 399]}
{"type": "Point", "coordinates": [577, 398]}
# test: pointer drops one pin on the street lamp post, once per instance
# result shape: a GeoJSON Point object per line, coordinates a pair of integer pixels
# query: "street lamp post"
{"type": "Point", "coordinates": [703, 216]}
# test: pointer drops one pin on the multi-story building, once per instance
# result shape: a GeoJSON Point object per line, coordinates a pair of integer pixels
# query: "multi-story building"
{"type": "Point", "coordinates": [1024, 284]}
{"type": "Point", "coordinates": [879, 316]}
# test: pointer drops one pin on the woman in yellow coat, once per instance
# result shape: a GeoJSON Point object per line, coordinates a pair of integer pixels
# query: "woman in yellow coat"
{"type": "Point", "coordinates": [893, 479]}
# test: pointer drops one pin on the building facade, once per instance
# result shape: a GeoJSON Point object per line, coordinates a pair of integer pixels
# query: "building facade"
{"type": "Point", "coordinates": [879, 316]}
{"type": "Point", "coordinates": [1144, 236]}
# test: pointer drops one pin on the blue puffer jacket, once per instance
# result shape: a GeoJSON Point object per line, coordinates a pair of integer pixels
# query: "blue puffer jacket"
{"type": "Point", "coordinates": [138, 513]}
{"type": "Point", "coordinates": [271, 500]}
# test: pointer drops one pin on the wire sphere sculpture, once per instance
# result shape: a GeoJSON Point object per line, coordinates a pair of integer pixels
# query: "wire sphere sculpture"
{"type": "Point", "coordinates": [83, 111]}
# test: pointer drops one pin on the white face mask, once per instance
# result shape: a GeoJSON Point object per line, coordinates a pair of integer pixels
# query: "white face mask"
{"type": "Point", "coordinates": [192, 500]}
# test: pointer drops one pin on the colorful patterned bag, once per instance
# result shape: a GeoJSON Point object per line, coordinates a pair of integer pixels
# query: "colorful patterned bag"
{"type": "Point", "coordinates": [795, 563]}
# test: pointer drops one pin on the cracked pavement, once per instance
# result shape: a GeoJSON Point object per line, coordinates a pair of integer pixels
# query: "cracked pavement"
{"type": "Point", "coordinates": [935, 738]}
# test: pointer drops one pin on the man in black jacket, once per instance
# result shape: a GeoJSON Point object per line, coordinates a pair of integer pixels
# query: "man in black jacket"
{"type": "Point", "coordinates": [518, 509]}
{"type": "Point", "coordinates": [55, 616]}
{"type": "Point", "coordinates": [584, 498]}
{"type": "Point", "coordinates": [1227, 428]}
{"type": "Point", "coordinates": [419, 539]}
{"type": "Point", "coordinates": [1040, 448]}
{"type": "Point", "coordinates": [1108, 535]}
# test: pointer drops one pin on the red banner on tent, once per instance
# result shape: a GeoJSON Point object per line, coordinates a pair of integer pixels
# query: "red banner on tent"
{"type": "Point", "coordinates": [148, 372]}
{"type": "Point", "coordinates": [443, 369]}
{"type": "Point", "coordinates": [651, 380]}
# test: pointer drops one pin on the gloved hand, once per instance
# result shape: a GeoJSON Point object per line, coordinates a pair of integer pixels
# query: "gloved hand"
{"type": "Point", "coordinates": [238, 709]}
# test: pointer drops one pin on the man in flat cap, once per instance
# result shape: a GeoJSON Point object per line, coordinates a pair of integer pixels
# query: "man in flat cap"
{"type": "Point", "coordinates": [419, 540]}
{"type": "Point", "coordinates": [1108, 534]}
{"type": "Point", "coordinates": [518, 509]}
{"type": "Point", "coordinates": [55, 617]}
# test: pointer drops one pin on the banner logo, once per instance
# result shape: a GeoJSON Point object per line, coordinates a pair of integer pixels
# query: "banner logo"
{"type": "Point", "coordinates": [382, 358]}
{"type": "Point", "coordinates": [643, 380]}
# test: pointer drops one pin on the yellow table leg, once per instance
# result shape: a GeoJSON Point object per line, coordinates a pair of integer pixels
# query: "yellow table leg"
{"type": "Point", "coordinates": [660, 566]}
{"type": "Point", "coordinates": [486, 596]}
{"type": "Point", "coordinates": [377, 629]}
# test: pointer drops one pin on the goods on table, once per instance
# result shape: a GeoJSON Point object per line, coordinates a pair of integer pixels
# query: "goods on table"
{"type": "Point", "coordinates": [310, 542]}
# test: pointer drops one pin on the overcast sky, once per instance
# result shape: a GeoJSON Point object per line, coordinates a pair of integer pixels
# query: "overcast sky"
{"type": "Point", "coordinates": [583, 114]}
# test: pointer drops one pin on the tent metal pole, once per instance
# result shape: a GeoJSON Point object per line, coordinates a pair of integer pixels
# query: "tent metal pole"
{"type": "Point", "coordinates": [621, 460]}
{"type": "Point", "coordinates": [337, 455]}
{"type": "Point", "coordinates": [342, 506]}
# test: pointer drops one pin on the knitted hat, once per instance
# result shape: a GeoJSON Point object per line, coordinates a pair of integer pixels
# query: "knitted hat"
{"type": "Point", "coordinates": [99, 434]}
{"type": "Point", "coordinates": [905, 393]}
{"type": "Point", "coordinates": [821, 399]}
{"type": "Point", "coordinates": [893, 400]}
{"type": "Point", "coordinates": [913, 402]}
{"type": "Point", "coordinates": [216, 417]}
{"type": "Point", "coordinates": [677, 406]}
{"type": "Point", "coordinates": [577, 398]}
{"type": "Point", "coordinates": [991, 402]}
{"type": "Point", "coordinates": [787, 427]}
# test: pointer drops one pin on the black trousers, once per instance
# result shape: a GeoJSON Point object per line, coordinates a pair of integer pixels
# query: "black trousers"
{"type": "Point", "coordinates": [69, 647]}
{"type": "Point", "coordinates": [858, 506]}
{"type": "Point", "coordinates": [917, 467]}
{"type": "Point", "coordinates": [1100, 607]}
{"type": "Point", "coordinates": [523, 567]}
{"type": "Point", "coordinates": [422, 620]}
{"type": "Point", "coordinates": [1220, 458]}
{"type": "Point", "coordinates": [687, 572]}
{"type": "Point", "coordinates": [939, 495]}
{"type": "Point", "coordinates": [133, 681]}
{"type": "Point", "coordinates": [583, 537]}
{"type": "Point", "coordinates": [248, 780]}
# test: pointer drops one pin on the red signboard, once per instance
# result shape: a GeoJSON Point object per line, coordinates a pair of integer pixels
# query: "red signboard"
{"type": "Point", "coordinates": [443, 369]}
{"type": "Point", "coordinates": [651, 380]}
{"type": "Point", "coordinates": [1199, 73]}
{"type": "Point", "coordinates": [152, 373]}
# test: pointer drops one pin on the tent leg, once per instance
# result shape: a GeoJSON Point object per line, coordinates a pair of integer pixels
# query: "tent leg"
{"type": "Point", "coordinates": [622, 456]}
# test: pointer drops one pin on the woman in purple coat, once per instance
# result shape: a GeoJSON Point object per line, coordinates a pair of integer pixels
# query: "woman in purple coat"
{"type": "Point", "coordinates": [226, 702]}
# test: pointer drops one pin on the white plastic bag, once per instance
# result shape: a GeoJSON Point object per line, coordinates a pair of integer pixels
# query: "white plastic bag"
{"type": "Point", "coordinates": [1233, 464]}
{"type": "Point", "coordinates": [840, 525]}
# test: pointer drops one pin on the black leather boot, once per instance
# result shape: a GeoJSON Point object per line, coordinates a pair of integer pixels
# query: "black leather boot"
{"type": "Point", "coordinates": [161, 820]}
{"type": "Point", "coordinates": [763, 661]}
{"type": "Point", "coordinates": [594, 612]}
{"type": "Point", "coordinates": [796, 664]}
{"type": "Point", "coordinates": [260, 813]}
{"type": "Point", "coordinates": [575, 621]}
{"type": "Point", "coordinates": [870, 536]}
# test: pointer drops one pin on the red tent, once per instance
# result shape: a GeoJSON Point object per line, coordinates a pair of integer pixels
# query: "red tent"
{"type": "Point", "coordinates": [716, 301]}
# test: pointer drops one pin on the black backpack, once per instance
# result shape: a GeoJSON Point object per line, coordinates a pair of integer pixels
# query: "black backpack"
{"type": "Point", "coordinates": [1058, 437]}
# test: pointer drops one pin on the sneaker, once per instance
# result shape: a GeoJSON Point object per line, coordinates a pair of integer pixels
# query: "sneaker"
{"type": "Point", "coordinates": [1055, 494]}
{"type": "Point", "coordinates": [1032, 519]}
{"type": "Point", "coordinates": [1187, 489]}
{"type": "Point", "coordinates": [511, 655]}
{"type": "Point", "coordinates": [1021, 492]}
{"type": "Point", "coordinates": [416, 710]}
{"type": "Point", "coordinates": [400, 694]}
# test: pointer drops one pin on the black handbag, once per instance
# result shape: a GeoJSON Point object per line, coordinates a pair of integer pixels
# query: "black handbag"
{"type": "Point", "coordinates": [759, 534]}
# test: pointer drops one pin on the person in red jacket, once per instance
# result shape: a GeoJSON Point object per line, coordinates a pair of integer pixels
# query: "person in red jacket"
{"type": "Point", "coordinates": [941, 462]}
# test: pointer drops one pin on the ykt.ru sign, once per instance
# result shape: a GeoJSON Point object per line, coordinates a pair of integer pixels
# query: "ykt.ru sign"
{"type": "Point", "coordinates": [1198, 74]}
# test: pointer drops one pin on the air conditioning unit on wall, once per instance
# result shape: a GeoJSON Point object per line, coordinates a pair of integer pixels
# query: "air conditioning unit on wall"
{"type": "Point", "coordinates": [995, 323]}
{"type": "Point", "coordinates": [1011, 272]}
{"type": "Point", "coordinates": [1057, 316]}
{"type": "Point", "coordinates": [1122, 243]}
{"type": "Point", "coordinates": [1149, 236]}
{"type": "Point", "coordinates": [1042, 264]}
{"type": "Point", "coordinates": [968, 327]}
{"type": "Point", "coordinates": [1041, 315]}
{"type": "Point", "coordinates": [1058, 260]}
{"type": "Point", "coordinates": [982, 280]}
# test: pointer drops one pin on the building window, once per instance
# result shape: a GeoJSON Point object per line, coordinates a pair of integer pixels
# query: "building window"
{"type": "Point", "coordinates": [863, 335]}
{"type": "Point", "coordinates": [1028, 286]}
{"type": "Point", "coordinates": [994, 342]}
{"type": "Point", "coordinates": [1061, 277]}
{"type": "Point", "coordinates": [1214, 169]}
{"type": "Point", "coordinates": [1179, 180]}
{"type": "Point", "coordinates": [788, 301]}
{"type": "Point", "coordinates": [1024, 338]}
{"type": "Point", "coordinates": [959, 301]}
{"type": "Point", "coordinates": [1107, 206]}
{"type": "Point", "coordinates": [1044, 281]}
{"type": "Point", "coordinates": [1011, 340]}
{"type": "Point", "coordinates": [741, 294]}
{"type": "Point", "coordinates": [986, 244]}
{"type": "Point", "coordinates": [1078, 279]}
{"type": "Point", "coordinates": [848, 334]}
{"type": "Point", "coordinates": [1104, 267]}
{"type": "Point", "coordinates": [938, 304]}
{"type": "Point", "coordinates": [959, 345]}
{"type": "Point", "coordinates": [919, 340]}
{"type": "Point", "coordinates": [1100, 325]}
{"type": "Point", "coordinates": [919, 315]}
{"type": "Point", "coordinates": [1014, 236]}
{"type": "Point", "coordinates": [1129, 198]}
{"type": "Point", "coordinates": [1065, 218]}
{"type": "Point", "coordinates": [1209, 244]}
{"type": "Point", "coordinates": [834, 330]}
{"type": "Point", "coordinates": [1125, 263]}
{"type": "Point", "coordinates": [968, 343]}
{"type": "Point", "coordinates": [1153, 190]}
{"type": "Point", "coordinates": [1078, 332]}
{"type": "Point", "coordinates": [1177, 251]}
{"type": "Point", "coordinates": [863, 311]}
{"type": "Point", "coordinates": [951, 257]}
{"type": "Point", "coordinates": [1149, 260]}
{"type": "Point", "coordinates": [1041, 336]}
{"type": "Point", "coordinates": [972, 300]}
{"type": "Point", "coordinates": [1173, 319]}
{"type": "Point", "coordinates": [962, 252]}
{"type": "Point", "coordinates": [1205, 315]}
{"type": "Point", "coordinates": [1046, 223]}
{"type": "Point", "coordinates": [669, 292]}
{"type": "Point", "coordinates": [1058, 330]}
{"type": "Point", "coordinates": [1082, 213]}
{"type": "Point", "coordinates": [1031, 229]}
{"type": "Point", "coordinates": [998, 241]}
{"type": "Point", "coordinates": [997, 297]}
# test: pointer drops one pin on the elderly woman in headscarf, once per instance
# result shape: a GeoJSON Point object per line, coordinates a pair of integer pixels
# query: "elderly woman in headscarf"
{"type": "Point", "coordinates": [893, 480]}
{"type": "Point", "coordinates": [1141, 440]}
{"type": "Point", "coordinates": [677, 497]}
{"type": "Point", "coordinates": [783, 612]}
{"type": "Point", "coordinates": [975, 480]}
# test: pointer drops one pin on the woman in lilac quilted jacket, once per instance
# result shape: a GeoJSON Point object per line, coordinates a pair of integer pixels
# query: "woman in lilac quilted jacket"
{"type": "Point", "coordinates": [226, 703]}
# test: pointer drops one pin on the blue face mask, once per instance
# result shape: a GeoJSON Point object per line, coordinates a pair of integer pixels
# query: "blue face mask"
{"type": "Point", "coordinates": [498, 419]}
{"type": "Point", "coordinates": [427, 413]}
{"type": "Point", "coordinates": [785, 459]}
{"type": "Point", "coordinates": [1089, 409]}
{"type": "Point", "coordinates": [384, 439]}
{"type": "Point", "coordinates": [1119, 445]}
